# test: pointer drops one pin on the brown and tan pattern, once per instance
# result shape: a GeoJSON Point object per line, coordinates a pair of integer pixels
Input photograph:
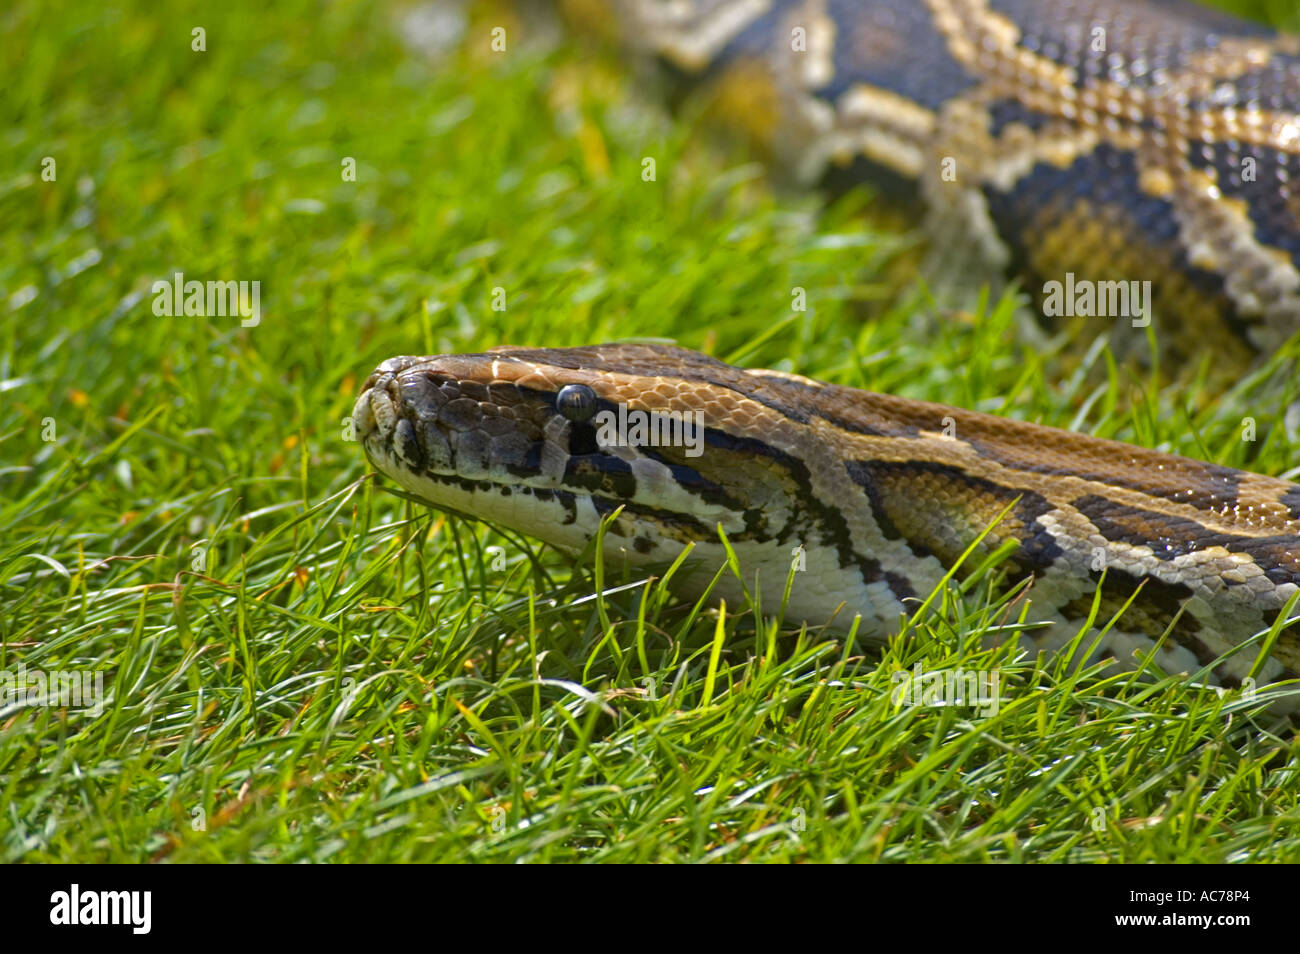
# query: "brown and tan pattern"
{"type": "Point", "coordinates": [1118, 140]}
{"type": "Point", "coordinates": [880, 494]}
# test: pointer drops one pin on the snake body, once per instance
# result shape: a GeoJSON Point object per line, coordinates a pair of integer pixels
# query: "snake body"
{"type": "Point", "coordinates": [1068, 141]}
{"type": "Point", "coordinates": [880, 494]}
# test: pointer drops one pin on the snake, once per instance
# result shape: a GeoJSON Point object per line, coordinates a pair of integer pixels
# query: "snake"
{"type": "Point", "coordinates": [877, 497]}
{"type": "Point", "coordinates": [1063, 142]}
{"type": "Point", "coordinates": [1076, 141]}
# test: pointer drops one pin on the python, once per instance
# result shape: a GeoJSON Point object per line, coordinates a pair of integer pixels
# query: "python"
{"type": "Point", "coordinates": [875, 494]}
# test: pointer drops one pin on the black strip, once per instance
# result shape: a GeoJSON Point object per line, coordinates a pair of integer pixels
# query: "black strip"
{"type": "Point", "coordinates": [1217, 489]}
{"type": "Point", "coordinates": [1291, 500]}
{"type": "Point", "coordinates": [1170, 537]}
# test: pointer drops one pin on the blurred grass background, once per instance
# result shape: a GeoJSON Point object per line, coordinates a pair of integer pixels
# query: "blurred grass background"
{"type": "Point", "coordinates": [302, 667]}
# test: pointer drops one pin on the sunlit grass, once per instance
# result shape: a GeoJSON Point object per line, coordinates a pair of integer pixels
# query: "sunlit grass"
{"type": "Point", "coordinates": [302, 666]}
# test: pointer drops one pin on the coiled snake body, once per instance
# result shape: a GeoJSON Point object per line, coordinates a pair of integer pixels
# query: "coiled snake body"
{"type": "Point", "coordinates": [1071, 140]}
{"type": "Point", "coordinates": [1106, 141]}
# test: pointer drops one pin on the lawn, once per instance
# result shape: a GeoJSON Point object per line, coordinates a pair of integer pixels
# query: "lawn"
{"type": "Point", "coordinates": [300, 666]}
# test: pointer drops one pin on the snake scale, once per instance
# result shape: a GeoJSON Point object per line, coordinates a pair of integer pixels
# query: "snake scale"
{"type": "Point", "coordinates": [1108, 141]}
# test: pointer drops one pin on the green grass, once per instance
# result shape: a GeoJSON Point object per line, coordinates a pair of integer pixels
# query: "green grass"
{"type": "Point", "coordinates": [318, 670]}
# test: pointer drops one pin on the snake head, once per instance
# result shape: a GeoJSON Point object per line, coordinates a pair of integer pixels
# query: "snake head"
{"type": "Point", "coordinates": [549, 442]}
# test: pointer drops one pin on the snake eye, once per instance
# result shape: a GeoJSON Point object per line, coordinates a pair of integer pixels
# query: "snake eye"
{"type": "Point", "coordinates": [576, 402]}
